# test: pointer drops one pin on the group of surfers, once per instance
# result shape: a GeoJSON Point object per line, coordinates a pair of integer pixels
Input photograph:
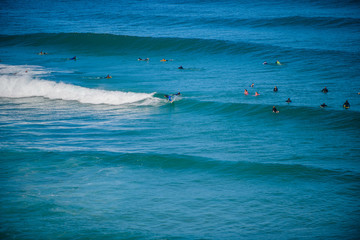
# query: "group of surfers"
{"type": "Point", "coordinates": [162, 60]}
{"type": "Point", "coordinates": [346, 105]}
{"type": "Point", "coordinates": [277, 62]}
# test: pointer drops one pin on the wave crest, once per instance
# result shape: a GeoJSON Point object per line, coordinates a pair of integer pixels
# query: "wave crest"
{"type": "Point", "coordinates": [17, 82]}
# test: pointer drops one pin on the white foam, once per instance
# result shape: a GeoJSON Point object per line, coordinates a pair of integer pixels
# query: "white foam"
{"type": "Point", "coordinates": [23, 81]}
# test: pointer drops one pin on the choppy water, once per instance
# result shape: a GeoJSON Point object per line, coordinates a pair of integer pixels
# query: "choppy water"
{"type": "Point", "coordinates": [85, 157]}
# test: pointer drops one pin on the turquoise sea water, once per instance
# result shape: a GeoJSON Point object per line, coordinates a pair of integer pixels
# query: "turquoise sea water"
{"type": "Point", "coordinates": [85, 157]}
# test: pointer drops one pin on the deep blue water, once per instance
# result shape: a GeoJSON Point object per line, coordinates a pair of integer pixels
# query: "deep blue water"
{"type": "Point", "coordinates": [85, 157]}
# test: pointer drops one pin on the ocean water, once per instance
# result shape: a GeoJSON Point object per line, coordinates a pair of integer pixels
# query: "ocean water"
{"type": "Point", "coordinates": [86, 157]}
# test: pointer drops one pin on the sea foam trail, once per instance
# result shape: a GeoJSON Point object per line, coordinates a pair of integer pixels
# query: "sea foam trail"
{"type": "Point", "coordinates": [17, 82]}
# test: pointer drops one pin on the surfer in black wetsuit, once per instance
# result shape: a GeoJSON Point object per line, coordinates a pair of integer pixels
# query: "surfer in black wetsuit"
{"type": "Point", "coordinates": [275, 89]}
{"type": "Point", "coordinates": [323, 105]}
{"type": "Point", "coordinates": [181, 67]}
{"type": "Point", "coordinates": [288, 100]}
{"type": "Point", "coordinates": [346, 104]}
{"type": "Point", "coordinates": [325, 90]}
{"type": "Point", "coordinates": [274, 110]}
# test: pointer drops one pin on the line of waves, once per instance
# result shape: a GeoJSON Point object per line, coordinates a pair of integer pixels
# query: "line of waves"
{"type": "Point", "coordinates": [122, 44]}
{"type": "Point", "coordinates": [22, 81]}
{"type": "Point", "coordinates": [177, 162]}
{"type": "Point", "coordinates": [112, 45]}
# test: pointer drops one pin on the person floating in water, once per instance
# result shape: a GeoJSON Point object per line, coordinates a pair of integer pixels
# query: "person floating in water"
{"type": "Point", "coordinates": [256, 94]}
{"type": "Point", "coordinates": [108, 76]}
{"type": "Point", "coordinates": [325, 90]}
{"type": "Point", "coordinates": [346, 104]}
{"type": "Point", "coordinates": [246, 92]}
{"type": "Point", "coordinates": [275, 89]}
{"type": "Point", "coordinates": [252, 85]}
{"type": "Point", "coordinates": [73, 58]}
{"type": "Point", "coordinates": [181, 67]}
{"type": "Point", "coordinates": [323, 105]}
{"type": "Point", "coordinates": [288, 100]}
{"type": "Point", "coordinates": [275, 110]}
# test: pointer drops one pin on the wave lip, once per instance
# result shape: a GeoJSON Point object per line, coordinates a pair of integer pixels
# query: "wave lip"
{"type": "Point", "coordinates": [16, 82]}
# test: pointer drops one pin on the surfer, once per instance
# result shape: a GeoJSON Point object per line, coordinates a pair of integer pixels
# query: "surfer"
{"type": "Point", "coordinates": [146, 59]}
{"type": "Point", "coordinates": [168, 97]}
{"type": "Point", "coordinates": [73, 58]}
{"type": "Point", "coordinates": [323, 105]}
{"type": "Point", "coordinates": [246, 92]}
{"type": "Point", "coordinates": [108, 76]}
{"type": "Point", "coordinates": [265, 63]}
{"type": "Point", "coordinates": [325, 90]}
{"type": "Point", "coordinates": [346, 104]}
{"type": "Point", "coordinates": [252, 85]}
{"type": "Point", "coordinates": [275, 89]}
{"type": "Point", "coordinates": [256, 94]}
{"type": "Point", "coordinates": [42, 53]}
{"type": "Point", "coordinates": [181, 67]}
{"type": "Point", "coordinates": [278, 62]}
{"type": "Point", "coordinates": [288, 100]}
{"type": "Point", "coordinates": [275, 110]}
{"type": "Point", "coordinates": [171, 97]}
{"type": "Point", "coordinates": [163, 60]}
